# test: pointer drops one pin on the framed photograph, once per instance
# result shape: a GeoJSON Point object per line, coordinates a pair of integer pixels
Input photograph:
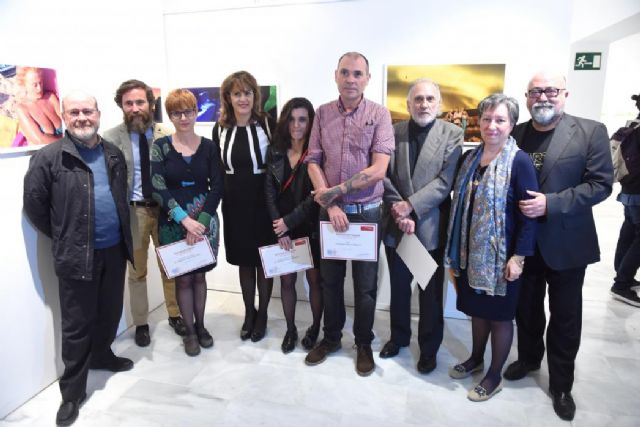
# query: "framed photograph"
{"type": "Point", "coordinates": [208, 99]}
{"type": "Point", "coordinates": [30, 114]}
{"type": "Point", "coordinates": [462, 87]}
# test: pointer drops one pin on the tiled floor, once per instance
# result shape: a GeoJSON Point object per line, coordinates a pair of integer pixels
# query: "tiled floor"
{"type": "Point", "coordinates": [244, 384]}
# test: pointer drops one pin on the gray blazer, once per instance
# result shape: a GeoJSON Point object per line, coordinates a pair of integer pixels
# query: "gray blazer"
{"type": "Point", "coordinates": [577, 174]}
{"type": "Point", "coordinates": [119, 136]}
{"type": "Point", "coordinates": [428, 189]}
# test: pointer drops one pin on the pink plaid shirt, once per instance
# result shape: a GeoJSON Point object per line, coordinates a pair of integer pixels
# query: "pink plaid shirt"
{"type": "Point", "coordinates": [342, 143]}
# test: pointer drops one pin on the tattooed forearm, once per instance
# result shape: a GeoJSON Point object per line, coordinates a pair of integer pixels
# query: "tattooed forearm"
{"type": "Point", "coordinates": [356, 182]}
{"type": "Point", "coordinates": [330, 195]}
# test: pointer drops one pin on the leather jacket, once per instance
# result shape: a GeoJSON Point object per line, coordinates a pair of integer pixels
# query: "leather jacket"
{"type": "Point", "coordinates": [306, 210]}
{"type": "Point", "coordinates": [58, 199]}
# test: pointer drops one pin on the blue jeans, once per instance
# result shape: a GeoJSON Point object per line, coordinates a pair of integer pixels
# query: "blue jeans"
{"type": "Point", "coordinates": [365, 288]}
{"type": "Point", "coordinates": [627, 258]}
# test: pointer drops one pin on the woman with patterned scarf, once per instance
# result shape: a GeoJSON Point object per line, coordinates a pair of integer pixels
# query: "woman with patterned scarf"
{"type": "Point", "coordinates": [489, 238]}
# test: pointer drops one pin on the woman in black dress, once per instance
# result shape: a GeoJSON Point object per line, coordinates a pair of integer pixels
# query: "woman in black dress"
{"type": "Point", "coordinates": [243, 133]}
{"type": "Point", "coordinates": [293, 211]}
{"type": "Point", "coordinates": [186, 175]}
{"type": "Point", "coordinates": [489, 238]}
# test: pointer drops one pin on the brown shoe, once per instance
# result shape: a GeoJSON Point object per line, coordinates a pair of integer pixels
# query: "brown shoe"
{"type": "Point", "coordinates": [321, 351]}
{"type": "Point", "coordinates": [364, 360]}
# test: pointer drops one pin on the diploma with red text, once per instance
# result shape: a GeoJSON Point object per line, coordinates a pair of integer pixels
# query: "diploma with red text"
{"type": "Point", "coordinates": [180, 258]}
{"type": "Point", "coordinates": [358, 243]}
{"type": "Point", "coordinates": [277, 261]}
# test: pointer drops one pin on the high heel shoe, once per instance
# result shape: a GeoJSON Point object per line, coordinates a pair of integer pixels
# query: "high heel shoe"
{"type": "Point", "coordinates": [310, 338]}
{"type": "Point", "coordinates": [289, 341]}
{"type": "Point", "coordinates": [247, 326]}
{"type": "Point", "coordinates": [259, 328]}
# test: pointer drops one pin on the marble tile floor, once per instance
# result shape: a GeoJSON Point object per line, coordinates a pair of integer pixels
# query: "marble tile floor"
{"type": "Point", "coordinates": [244, 384]}
{"type": "Point", "coordinates": [253, 384]}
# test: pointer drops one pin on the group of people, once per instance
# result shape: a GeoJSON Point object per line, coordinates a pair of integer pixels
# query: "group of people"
{"type": "Point", "coordinates": [511, 219]}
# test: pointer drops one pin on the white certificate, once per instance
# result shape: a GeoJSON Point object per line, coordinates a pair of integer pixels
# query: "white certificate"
{"type": "Point", "coordinates": [417, 259]}
{"type": "Point", "coordinates": [277, 261]}
{"type": "Point", "coordinates": [179, 258]}
{"type": "Point", "coordinates": [358, 243]}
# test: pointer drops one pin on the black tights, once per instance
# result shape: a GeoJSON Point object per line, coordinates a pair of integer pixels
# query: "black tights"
{"type": "Point", "coordinates": [501, 339]}
{"type": "Point", "coordinates": [249, 277]}
{"type": "Point", "coordinates": [191, 293]}
{"type": "Point", "coordinates": [289, 297]}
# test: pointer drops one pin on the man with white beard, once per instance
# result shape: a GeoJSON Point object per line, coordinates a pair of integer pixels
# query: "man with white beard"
{"type": "Point", "coordinates": [75, 193]}
{"type": "Point", "coordinates": [417, 194]}
{"type": "Point", "coordinates": [573, 161]}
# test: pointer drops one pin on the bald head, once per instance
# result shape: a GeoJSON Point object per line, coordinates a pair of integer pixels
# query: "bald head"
{"type": "Point", "coordinates": [81, 116]}
{"type": "Point", "coordinates": [546, 96]}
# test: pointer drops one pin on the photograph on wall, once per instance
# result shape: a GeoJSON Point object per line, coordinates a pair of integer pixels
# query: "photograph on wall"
{"type": "Point", "coordinates": [29, 107]}
{"type": "Point", "coordinates": [462, 87]}
{"type": "Point", "coordinates": [208, 99]}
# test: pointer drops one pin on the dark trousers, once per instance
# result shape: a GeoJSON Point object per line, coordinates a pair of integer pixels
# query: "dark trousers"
{"type": "Point", "coordinates": [431, 322]}
{"type": "Point", "coordinates": [565, 320]}
{"type": "Point", "coordinates": [365, 289]}
{"type": "Point", "coordinates": [627, 259]}
{"type": "Point", "coordinates": [90, 312]}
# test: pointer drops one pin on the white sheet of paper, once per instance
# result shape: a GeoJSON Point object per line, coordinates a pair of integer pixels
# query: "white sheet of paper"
{"type": "Point", "coordinates": [359, 242]}
{"type": "Point", "coordinates": [417, 259]}
{"type": "Point", "coordinates": [277, 261]}
{"type": "Point", "coordinates": [179, 258]}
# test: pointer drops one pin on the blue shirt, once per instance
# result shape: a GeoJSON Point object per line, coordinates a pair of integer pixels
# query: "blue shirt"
{"type": "Point", "coordinates": [106, 221]}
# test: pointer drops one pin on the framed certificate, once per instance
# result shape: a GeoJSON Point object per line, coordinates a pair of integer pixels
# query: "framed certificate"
{"type": "Point", "coordinates": [180, 258]}
{"type": "Point", "coordinates": [277, 261]}
{"type": "Point", "coordinates": [358, 243]}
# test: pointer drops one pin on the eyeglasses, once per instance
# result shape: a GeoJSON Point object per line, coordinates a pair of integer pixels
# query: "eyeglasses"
{"type": "Point", "coordinates": [238, 94]}
{"type": "Point", "coordinates": [87, 112]}
{"type": "Point", "coordinates": [550, 92]}
{"type": "Point", "coordinates": [189, 114]}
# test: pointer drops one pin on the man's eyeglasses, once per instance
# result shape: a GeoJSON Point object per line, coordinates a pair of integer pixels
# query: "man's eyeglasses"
{"type": "Point", "coordinates": [550, 92]}
{"type": "Point", "coordinates": [178, 114]}
{"type": "Point", "coordinates": [87, 112]}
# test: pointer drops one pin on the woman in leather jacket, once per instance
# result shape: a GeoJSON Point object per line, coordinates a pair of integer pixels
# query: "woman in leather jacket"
{"type": "Point", "coordinates": [293, 211]}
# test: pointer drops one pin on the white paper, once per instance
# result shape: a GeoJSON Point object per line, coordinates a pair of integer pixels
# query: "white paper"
{"type": "Point", "coordinates": [277, 261]}
{"type": "Point", "coordinates": [180, 258]}
{"type": "Point", "coordinates": [417, 259]}
{"type": "Point", "coordinates": [358, 243]}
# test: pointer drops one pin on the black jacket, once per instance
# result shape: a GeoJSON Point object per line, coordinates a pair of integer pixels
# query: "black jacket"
{"type": "Point", "coordinates": [306, 210]}
{"type": "Point", "coordinates": [58, 199]}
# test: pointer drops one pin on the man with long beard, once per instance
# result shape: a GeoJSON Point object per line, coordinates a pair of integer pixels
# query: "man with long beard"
{"type": "Point", "coordinates": [75, 193]}
{"type": "Point", "coordinates": [573, 160]}
{"type": "Point", "coordinates": [134, 137]}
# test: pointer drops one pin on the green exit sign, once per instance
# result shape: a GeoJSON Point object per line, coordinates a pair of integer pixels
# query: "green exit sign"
{"type": "Point", "coordinates": [587, 61]}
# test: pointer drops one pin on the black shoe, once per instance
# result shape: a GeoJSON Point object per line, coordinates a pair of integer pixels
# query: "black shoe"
{"type": "Point", "coordinates": [142, 337]}
{"type": "Point", "coordinates": [68, 411]}
{"type": "Point", "coordinates": [563, 404]}
{"type": "Point", "coordinates": [426, 364]}
{"type": "Point", "coordinates": [390, 349]}
{"type": "Point", "coordinates": [364, 360]}
{"type": "Point", "coordinates": [635, 286]}
{"type": "Point", "coordinates": [204, 337]}
{"type": "Point", "coordinates": [625, 295]}
{"type": "Point", "coordinates": [191, 345]}
{"type": "Point", "coordinates": [518, 370]}
{"type": "Point", "coordinates": [289, 341]}
{"type": "Point", "coordinates": [178, 325]}
{"type": "Point", "coordinates": [247, 326]}
{"type": "Point", "coordinates": [321, 351]}
{"type": "Point", "coordinates": [259, 328]}
{"type": "Point", "coordinates": [114, 364]}
{"type": "Point", "coordinates": [310, 338]}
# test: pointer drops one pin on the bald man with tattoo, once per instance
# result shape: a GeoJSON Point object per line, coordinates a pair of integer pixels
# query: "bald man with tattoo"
{"type": "Point", "coordinates": [350, 146]}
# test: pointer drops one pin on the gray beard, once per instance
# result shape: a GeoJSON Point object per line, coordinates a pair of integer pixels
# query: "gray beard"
{"type": "Point", "coordinates": [544, 115]}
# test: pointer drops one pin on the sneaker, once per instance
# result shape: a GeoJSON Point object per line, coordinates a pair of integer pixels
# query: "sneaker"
{"type": "Point", "coordinates": [625, 295]}
{"type": "Point", "coordinates": [178, 325]}
{"type": "Point", "coordinates": [364, 360]}
{"type": "Point", "coordinates": [321, 351]}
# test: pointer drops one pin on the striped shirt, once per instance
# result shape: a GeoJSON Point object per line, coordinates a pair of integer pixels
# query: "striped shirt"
{"type": "Point", "coordinates": [342, 143]}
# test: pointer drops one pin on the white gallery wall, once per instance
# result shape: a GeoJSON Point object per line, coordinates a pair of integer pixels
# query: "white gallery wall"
{"type": "Point", "coordinates": [294, 44]}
